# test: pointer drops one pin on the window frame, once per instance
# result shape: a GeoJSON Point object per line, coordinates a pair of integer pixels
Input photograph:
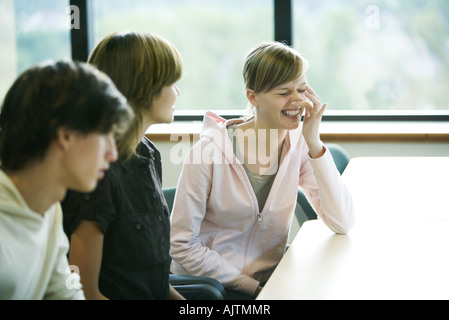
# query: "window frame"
{"type": "Point", "coordinates": [283, 24]}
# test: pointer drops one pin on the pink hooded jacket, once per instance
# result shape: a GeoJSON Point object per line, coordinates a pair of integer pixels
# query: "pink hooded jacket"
{"type": "Point", "coordinates": [216, 229]}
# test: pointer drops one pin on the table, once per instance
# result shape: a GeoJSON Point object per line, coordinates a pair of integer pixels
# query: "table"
{"type": "Point", "coordinates": [398, 248]}
{"type": "Point", "coordinates": [385, 188]}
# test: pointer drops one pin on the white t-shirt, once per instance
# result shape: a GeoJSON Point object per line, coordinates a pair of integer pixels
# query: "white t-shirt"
{"type": "Point", "coordinates": [33, 251]}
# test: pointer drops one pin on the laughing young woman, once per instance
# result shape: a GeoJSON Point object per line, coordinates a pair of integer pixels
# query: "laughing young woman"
{"type": "Point", "coordinates": [233, 209]}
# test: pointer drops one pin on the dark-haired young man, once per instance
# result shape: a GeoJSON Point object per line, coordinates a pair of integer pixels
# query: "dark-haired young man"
{"type": "Point", "coordinates": [57, 126]}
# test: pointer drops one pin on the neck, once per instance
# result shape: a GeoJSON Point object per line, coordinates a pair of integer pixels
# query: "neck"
{"type": "Point", "coordinates": [272, 138]}
{"type": "Point", "coordinates": [260, 146]}
{"type": "Point", "coordinates": [38, 187]}
{"type": "Point", "coordinates": [147, 122]}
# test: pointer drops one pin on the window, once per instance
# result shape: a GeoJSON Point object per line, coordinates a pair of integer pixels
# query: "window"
{"type": "Point", "coordinates": [376, 55]}
{"type": "Point", "coordinates": [380, 56]}
{"type": "Point", "coordinates": [212, 36]}
{"type": "Point", "coordinates": [32, 32]}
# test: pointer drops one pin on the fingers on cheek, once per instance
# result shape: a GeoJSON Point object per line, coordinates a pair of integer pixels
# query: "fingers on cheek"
{"type": "Point", "coordinates": [313, 99]}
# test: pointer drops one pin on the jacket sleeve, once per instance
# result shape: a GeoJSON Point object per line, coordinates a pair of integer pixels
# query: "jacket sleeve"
{"type": "Point", "coordinates": [189, 211]}
{"type": "Point", "coordinates": [325, 190]}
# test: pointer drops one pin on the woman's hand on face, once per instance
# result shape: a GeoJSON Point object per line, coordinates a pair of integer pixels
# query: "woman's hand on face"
{"type": "Point", "coordinates": [312, 119]}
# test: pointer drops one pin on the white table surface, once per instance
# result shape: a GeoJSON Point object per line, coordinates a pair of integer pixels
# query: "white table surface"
{"type": "Point", "coordinates": [398, 248]}
{"type": "Point", "coordinates": [385, 188]}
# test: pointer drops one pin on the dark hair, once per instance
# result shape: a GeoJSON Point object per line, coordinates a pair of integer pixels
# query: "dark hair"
{"type": "Point", "coordinates": [51, 95]}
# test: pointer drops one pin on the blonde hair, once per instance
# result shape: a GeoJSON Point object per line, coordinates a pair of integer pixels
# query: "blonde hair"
{"type": "Point", "coordinates": [140, 65]}
{"type": "Point", "coordinates": [269, 65]}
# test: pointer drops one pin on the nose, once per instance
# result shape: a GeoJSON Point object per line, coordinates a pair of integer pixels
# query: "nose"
{"type": "Point", "coordinates": [111, 153]}
{"type": "Point", "coordinates": [178, 91]}
{"type": "Point", "coordinates": [298, 97]}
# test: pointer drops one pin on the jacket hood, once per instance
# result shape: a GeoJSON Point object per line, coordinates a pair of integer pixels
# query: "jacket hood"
{"type": "Point", "coordinates": [214, 131]}
{"type": "Point", "coordinates": [213, 122]}
{"type": "Point", "coordinates": [11, 201]}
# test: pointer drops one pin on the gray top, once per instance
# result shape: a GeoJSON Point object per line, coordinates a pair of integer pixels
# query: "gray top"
{"type": "Point", "coordinates": [261, 183]}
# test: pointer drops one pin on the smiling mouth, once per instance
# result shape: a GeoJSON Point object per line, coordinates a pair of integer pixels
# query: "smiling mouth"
{"type": "Point", "coordinates": [291, 113]}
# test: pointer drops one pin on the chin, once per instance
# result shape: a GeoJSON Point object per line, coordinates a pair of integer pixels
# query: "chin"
{"type": "Point", "coordinates": [86, 188]}
{"type": "Point", "coordinates": [169, 119]}
{"type": "Point", "coordinates": [166, 118]}
{"type": "Point", "coordinates": [293, 126]}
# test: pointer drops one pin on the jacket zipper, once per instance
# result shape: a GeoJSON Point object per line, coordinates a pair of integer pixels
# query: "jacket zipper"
{"type": "Point", "coordinates": [259, 220]}
{"type": "Point", "coordinates": [254, 225]}
{"type": "Point", "coordinates": [251, 233]}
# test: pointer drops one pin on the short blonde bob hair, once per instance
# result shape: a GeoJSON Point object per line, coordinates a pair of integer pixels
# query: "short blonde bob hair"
{"type": "Point", "coordinates": [140, 65]}
{"type": "Point", "coordinates": [269, 65]}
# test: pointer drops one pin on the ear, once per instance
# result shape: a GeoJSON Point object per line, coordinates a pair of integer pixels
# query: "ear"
{"type": "Point", "coordinates": [63, 138]}
{"type": "Point", "coordinates": [251, 95]}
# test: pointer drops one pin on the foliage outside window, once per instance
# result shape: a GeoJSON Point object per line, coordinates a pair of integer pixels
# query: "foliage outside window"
{"type": "Point", "coordinates": [212, 36]}
{"type": "Point", "coordinates": [376, 55]}
{"type": "Point", "coordinates": [32, 32]}
{"type": "Point", "coordinates": [370, 55]}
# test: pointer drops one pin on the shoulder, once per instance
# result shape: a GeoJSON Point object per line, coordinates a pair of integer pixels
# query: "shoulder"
{"type": "Point", "coordinates": [147, 149]}
{"type": "Point", "coordinates": [148, 145]}
{"type": "Point", "coordinates": [95, 206]}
